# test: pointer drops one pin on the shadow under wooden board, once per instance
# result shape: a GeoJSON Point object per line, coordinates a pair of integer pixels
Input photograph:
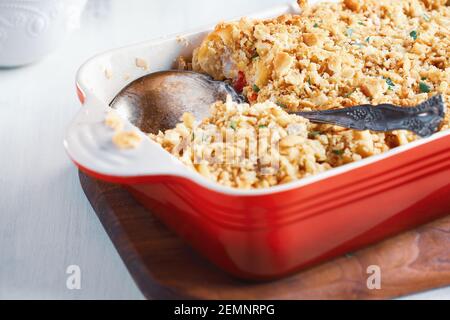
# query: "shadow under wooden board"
{"type": "Point", "coordinates": [164, 267]}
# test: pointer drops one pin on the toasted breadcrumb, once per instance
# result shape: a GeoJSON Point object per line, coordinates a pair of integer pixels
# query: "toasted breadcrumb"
{"type": "Point", "coordinates": [302, 3]}
{"type": "Point", "coordinates": [127, 139]}
{"type": "Point", "coordinates": [114, 121]}
{"type": "Point", "coordinates": [122, 139]}
{"type": "Point", "coordinates": [108, 73]}
{"type": "Point", "coordinates": [182, 63]}
{"type": "Point", "coordinates": [141, 63]}
{"type": "Point", "coordinates": [183, 41]}
{"type": "Point", "coordinates": [353, 5]}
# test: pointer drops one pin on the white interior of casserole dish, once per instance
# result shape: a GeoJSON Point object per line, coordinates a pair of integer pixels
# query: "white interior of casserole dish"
{"type": "Point", "coordinates": [89, 142]}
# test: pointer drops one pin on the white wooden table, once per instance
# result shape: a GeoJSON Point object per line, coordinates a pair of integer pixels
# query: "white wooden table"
{"type": "Point", "coordinates": [46, 223]}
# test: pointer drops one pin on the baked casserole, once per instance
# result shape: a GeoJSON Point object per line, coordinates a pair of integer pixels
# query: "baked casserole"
{"type": "Point", "coordinates": [331, 55]}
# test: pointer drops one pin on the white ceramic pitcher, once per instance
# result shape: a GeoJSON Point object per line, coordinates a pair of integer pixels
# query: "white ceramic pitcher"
{"type": "Point", "coordinates": [31, 29]}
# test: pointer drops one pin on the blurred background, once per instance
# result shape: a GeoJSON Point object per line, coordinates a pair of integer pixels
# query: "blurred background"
{"type": "Point", "coordinates": [46, 223]}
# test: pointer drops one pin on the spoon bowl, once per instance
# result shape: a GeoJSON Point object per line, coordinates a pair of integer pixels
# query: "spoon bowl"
{"type": "Point", "coordinates": [157, 101]}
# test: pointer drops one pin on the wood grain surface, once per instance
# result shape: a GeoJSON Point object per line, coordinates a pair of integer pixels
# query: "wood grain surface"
{"type": "Point", "coordinates": [164, 267]}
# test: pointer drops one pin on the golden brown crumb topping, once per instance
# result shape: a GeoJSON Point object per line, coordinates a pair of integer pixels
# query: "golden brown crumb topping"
{"type": "Point", "coordinates": [121, 138]}
{"type": "Point", "coordinates": [335, 55]}
{"type": "Point", "coordinates": [331, 55]}
{"type": "Point", "coordinates": [262, 145]}
{"type": "Point", "coordinates": [245, 146]}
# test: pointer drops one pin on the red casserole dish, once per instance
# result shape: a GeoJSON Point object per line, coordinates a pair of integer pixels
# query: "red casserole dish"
{"type": "Point", "coordinates": [261, 234]}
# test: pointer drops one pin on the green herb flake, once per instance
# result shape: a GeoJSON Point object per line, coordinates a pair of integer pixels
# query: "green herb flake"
{"type": "Point", "coordinates": [281, 104]}
{"type": "Point", "coordinates": [262, 126]}
{"type": "Point", "coordinates": [347, 95]}
{"type": "Point", "coordinates": [413, 34]}
{"type": "Point", "coordinates": [368, 39]}
{"type": "Point", "coordinates": [233, 125]}
{"type": "Point", "coordinates": [424, 88]}
{"type": "Point", "coordinates": [361, 23]}
{"type": "Point", "coordinates": [423, 78]}
{"type": "Point", "coordinates": [390, 83]}
{"type": "Point", "coordinates": [316, 25]}
{"type": "Point", "coordinates": [349, 32]}
{"type": "Point", "coordinates": [314, 134]}
{"type": "Point", "coordinates": [256, 88]}
{"type": "Point", "coordinates": [338, 152]}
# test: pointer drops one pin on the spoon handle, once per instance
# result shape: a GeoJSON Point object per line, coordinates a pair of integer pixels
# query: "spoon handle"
{"type": "Point", "coordinates": [424, 119]}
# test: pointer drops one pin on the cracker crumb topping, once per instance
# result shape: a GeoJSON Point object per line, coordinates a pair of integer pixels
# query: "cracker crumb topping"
{"type": "Point", "coordinates": [141, 63]}
{"type": "Point", "coordinates": [331, 55]}
{"type": "Point", "coordinates": [122, 139]}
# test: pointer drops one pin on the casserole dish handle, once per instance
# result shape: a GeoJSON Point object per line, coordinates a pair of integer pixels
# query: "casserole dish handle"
{"type": "Point", "coordinates": [89, 143]}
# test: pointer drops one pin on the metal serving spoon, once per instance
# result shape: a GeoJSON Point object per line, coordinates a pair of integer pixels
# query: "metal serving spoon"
{"type": "Point", "coordinates": [158, 100]}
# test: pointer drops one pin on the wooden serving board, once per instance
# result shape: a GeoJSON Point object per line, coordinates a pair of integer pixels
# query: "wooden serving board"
{"type": "Point", "coordinates": [164, 267]}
